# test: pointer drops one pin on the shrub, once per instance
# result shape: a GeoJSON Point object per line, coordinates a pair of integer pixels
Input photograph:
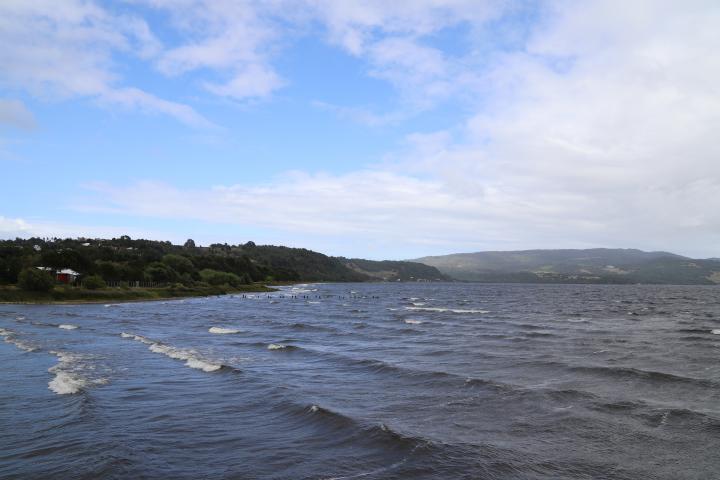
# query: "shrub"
{"type": "Point", "coordinates": [94, 282]}
{"type": "Point", "coordinates": [214, 277]}
{"type": "Point", "coordinates": [35, 280]}
{"type": "Point", "coordinates": [178, 263]}
{"type": "Point", "coordinates": [160, 272]}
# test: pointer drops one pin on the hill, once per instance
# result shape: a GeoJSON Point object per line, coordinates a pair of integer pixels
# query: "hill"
{"type": "Point", "coordinates": [129, 261]}
{"type": "Point", "coordinates": [597, 265]}
{"type": "Point", "coordinates": [394, 271]}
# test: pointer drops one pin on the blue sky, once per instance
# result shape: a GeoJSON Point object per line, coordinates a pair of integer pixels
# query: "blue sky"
{"type": "Point", "coordinates": [369, 129]}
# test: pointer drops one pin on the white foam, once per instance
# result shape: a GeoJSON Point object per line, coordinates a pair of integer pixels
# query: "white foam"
{"type": "Point", "coordinates": [413, 322]}
{"type": "Point", "coordinates": [19, 319]}
{"type": "Point", "coordinates": [314, 408]}
{"type": "Point", "coordinates": [172, 352]}
{"type": "Point", "coordinates": [67, 326]}
{"type": "Point", "coordinates": [202, 365]}
{"type": "Point", "coordinates": [70, 375]}
{"type": "Point", "coordinates": [716, 332]}
{"type": "Point", "coordinates": [418, 304]}
{"type": "Point", "coordinates": [314, 303]}
{"type": "Point", "coordinates": [276, 346]}
{"type": "Point", "coordinates": [9, 337]}
{"type": "Point", "coordinates": [66, 383]}
{"type": "Point", "coordinates": [189, 356]}
{"type": "Point", "coordinates": [221, 330]}
{"type": "Point", "coordinates": [20, 344]}
{"type": "Point", "coordinates": [453, 310]}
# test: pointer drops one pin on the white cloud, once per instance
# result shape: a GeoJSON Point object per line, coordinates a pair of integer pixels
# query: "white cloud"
{"type": "Point", "coordinates": [602, 131]}
{"type": "Point", "coordinates": [66, 51]}
{"type": "Point", "coordinates": [11, 227]}
{"type": "Point", "coordinates": [232, 39]}
{"type": "Point", "coordinates": [22, 228]}
{"type": "Point", "coordinates": [599, 130]}
{"type": "Point", "coordinates": [15, 114]}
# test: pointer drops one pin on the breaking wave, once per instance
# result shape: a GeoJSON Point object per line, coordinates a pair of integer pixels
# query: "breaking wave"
{"type": "Point", "coordinates": [72, 374]}
{"type": "Point", "coordinates": [191, 357]}
{"type": "Point", "coordinates": [9, 337]}
{"type": "Point", "coordinates": [441, 310]}
{"type": "Point", "coordinates": [223, 331]}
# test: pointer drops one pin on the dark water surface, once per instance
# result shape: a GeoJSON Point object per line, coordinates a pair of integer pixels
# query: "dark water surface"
{"type": "Point", "coordinates": [368, 381]}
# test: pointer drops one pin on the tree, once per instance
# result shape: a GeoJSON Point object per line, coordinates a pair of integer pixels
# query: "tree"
{"type": "Point", "coordinates": [160, 272]}
{"type": "Point", "coordinates": [94, 282]}
{"type": "Point", "coordinates": [213, 277]}
{"type": "Point", "coordinates": [35, 280]}
{"type": "Point", "coordinates": [189, 244]}
{"type": "Point", "coordinates": [178, 263]}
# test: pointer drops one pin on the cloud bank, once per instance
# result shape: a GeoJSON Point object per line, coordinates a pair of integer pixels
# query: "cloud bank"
{"type": "Point", "coordinates": [592, 124]}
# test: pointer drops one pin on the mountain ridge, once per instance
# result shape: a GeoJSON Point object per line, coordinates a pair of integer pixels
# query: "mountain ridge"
{"type": "Point", "coordinates": [594, 265]}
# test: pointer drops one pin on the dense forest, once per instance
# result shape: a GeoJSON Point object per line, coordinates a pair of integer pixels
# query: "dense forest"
{"type": "Point", "coordinates": [127, 260]}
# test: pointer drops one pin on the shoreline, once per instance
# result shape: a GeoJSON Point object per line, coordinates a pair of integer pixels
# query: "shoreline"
{"type": "Point", "coordinates": [104, 296]}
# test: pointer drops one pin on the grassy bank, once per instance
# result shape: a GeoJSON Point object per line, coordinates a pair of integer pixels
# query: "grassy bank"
{"type": "Point", "coordinates": [60, 294]}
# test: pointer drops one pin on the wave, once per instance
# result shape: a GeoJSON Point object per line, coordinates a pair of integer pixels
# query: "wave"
{"type": "Point", "coordinates": [281, 346]}
{"type": "Point", "coordinates": [411, 321]}
{"type": "Point", "coordinates": [442, 310]}
{"type": "Point", "coordinates": [10, 337]}
{"type": "Point", "coordinates": [223, 331]}
{"type": "Point", "coordinates": [716, 331]}
{"type": "Point", "coordinates": [72, 374]}
{"type": "Point", "coordinates": [379, 433]}
{"type": "Point", "coordinates": [190, 357]}
{"type": "Point", "coordinates": [67, 326]}
{"type": "Point", "coordinates": [650, 375]}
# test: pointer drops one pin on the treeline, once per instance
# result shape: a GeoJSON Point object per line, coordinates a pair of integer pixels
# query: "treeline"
{"type": "Point", "coordinates": [126, 260]}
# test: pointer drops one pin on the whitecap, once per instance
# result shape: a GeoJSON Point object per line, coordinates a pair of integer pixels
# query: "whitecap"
{"type": "Point", "coordinates": [202, 365]}
{"type": "Point", "coordinates": [716, 332]}
{"type": "Point", "coordinates": [453, 310]}
{"type": "Point", "coordinates": [67, 326]}
{"type": "Point", "coordinates": [412, 321]}
{"type": "Point", "coordinates": [189, 356]}
{"type": "Point", "coordinates": [66, 383]}
{"type": "Point", "coordinates": [71, 374]}
{"type": "Point", "coordinates": [221, 330]}
{"type": "Point", "coordinates": [276, 346]}
{"type": "Point", "coordinates": [9, 337]}
{"type": "Point", "coordinates": [139, 338]}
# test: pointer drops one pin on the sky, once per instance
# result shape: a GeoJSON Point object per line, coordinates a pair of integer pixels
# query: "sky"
{"type": "Point", "coordinates": [374, 129]}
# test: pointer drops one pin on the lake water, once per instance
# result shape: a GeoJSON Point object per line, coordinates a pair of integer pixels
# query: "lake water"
{"type": "Point", "coordinates": [368, 381]}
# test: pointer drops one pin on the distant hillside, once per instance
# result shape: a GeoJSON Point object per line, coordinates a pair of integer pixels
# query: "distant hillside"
{"type": "Point", "coordinates": [597, 265]}
{"type": "Point", "coordinates": [126, 261]}
{"type": "Point", "coordinates": [394, 271]}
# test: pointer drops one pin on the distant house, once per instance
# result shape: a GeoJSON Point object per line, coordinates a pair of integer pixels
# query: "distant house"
{"type": "Point", "coordinates": [66, 275]}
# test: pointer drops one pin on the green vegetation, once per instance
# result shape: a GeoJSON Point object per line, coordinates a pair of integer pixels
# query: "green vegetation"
{"type": "Point", "coordinates": [394, 271]}
{"type": "Point", "coordinates": [94, 282]}
{"type": "Point", "coordinates": [597, 265]}
{"type": "Point", "coordinates": [134, 269]}
{"type": "Point", "coordinates": [35, 280]}
{"type": "Point", "coordinates": [65, 294]}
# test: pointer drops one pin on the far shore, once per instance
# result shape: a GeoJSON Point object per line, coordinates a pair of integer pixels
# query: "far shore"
{"type": "Point", "coordinates": [64, 295]}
